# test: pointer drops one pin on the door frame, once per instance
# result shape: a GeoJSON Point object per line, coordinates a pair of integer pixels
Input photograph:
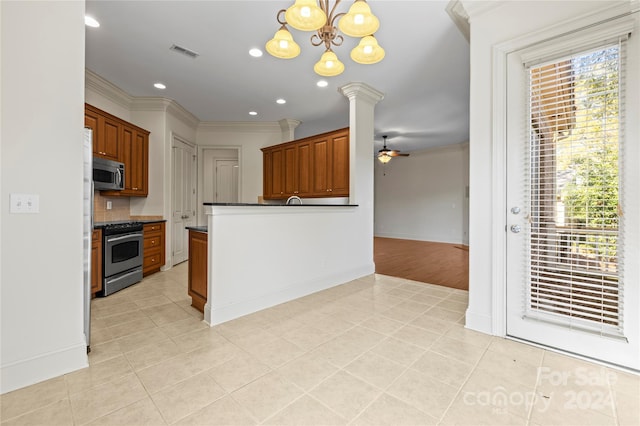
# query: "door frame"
{"type": "Point", "coordinates": [500, 53]}
{"type": "Point", "coordinates": [201, 218]}
{"type": "Point", "coordinates": [169, 228]}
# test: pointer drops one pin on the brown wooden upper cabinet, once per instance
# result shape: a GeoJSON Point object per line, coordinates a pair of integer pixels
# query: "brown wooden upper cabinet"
{"type": "Point", "coordinates": [317, 166]}
{"type": "Point", "coordinates": [118, 140]}
{"type": "Point", "coordinates": [106, 136]}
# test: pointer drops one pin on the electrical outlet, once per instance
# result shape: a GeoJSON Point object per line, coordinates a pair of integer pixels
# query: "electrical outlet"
{"type": "Point", "coordinates": [109, 205]}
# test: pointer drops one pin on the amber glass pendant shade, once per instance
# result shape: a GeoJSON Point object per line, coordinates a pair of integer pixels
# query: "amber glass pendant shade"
{"type": "Point", "coordinates": [282, 45]}
{"type": "Point", "coordinates": [359, 21]}
{"type": "Point", "coordinates": [329, 65]}
{"type": "Point", "coordinates": [305, 15]}
{"type": "Point", "coordinates": [368, 51]}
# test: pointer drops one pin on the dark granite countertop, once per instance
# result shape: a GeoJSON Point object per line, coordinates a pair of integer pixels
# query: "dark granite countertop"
{"type": "Point", "coordinates": [197, 228]}
{"type": "Point", "coordinates": [97, 225]}
{"type": "Point", "coordinates": [278, 205]}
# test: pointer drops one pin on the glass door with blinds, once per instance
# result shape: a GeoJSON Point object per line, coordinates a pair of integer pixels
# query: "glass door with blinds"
{"type": "Point", "coordinates": [570, 204]}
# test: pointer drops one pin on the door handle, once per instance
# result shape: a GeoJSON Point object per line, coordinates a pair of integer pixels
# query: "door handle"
{"type": "Point", "coordinates": [515, 229]}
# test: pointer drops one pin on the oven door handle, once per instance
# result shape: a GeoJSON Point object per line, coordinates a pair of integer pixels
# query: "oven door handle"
{"type": "Point", "coordinates": [124, 237]}
{"type": "Point", "coordinates": [113, 280]}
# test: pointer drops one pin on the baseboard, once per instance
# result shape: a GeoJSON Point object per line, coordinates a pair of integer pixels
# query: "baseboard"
{"type": "Point", "coordinates": [479, 322]}
{"type": "Point", "coordinates": [27, 372]}
{"type": "Point", "coordinates": [413, 237]}
{"type": "Point", "coordinates": [219, 314]}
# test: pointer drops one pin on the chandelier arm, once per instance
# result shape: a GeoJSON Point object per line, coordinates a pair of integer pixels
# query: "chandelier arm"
{"type": "Point", "coordinates": [281, 21]}
{"type": "Point", "coordinates": [334, 18]}
{"type": "Point", "coordinates": [330, 17]}
{"type": "Point", "coordinates": [338, 37]}
{"type": "Point", "coordinates": [316, 43]}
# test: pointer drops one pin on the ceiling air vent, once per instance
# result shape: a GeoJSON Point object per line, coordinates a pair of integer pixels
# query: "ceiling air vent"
{"type": "Point", "coordinates": [184, 51]}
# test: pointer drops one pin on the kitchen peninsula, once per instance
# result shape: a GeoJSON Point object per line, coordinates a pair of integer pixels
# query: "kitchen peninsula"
{"type": "Point", "coordinates": [261, 255]}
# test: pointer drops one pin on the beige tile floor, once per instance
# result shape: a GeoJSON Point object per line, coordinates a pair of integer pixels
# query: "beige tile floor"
{"type": "Point", "coordinates": [375, 351]}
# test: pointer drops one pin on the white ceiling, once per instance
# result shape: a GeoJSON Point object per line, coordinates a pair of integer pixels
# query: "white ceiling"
{"type": "Point", "coordinates": [424, 76]}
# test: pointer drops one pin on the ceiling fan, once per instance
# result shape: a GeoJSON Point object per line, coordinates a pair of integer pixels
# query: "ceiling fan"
{"type": "Point", "coordinates": [385, 154]}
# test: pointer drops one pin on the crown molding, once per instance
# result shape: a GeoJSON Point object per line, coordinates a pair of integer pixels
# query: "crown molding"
{"type": "Point", "coordinates": [150, 104]}
{"type": "Point", "coordinates": [165, 105]}
{"type": "Point", "coordinates": [94, 82]}
{"type": "Point", "coordinates": [180, 112]}
{"type": "Point", "coordinates": [361, 91]}
{"type": "Point", "coordinates": [239, 126]}
{"type": "Point", "coordinates": [475, 8]}
{"type": "Point", "coordinates": [287, 124]}
{"type": "Point", "coordinates": [459, 16]}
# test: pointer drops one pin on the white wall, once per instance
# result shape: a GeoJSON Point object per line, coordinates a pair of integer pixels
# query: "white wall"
{"type": "Point", "coordinates": [493, 24]}
{"type": "Point", "coordinates": [42, 125]}
{"type": "Point", "coordinates": [423, 196]}
{"type": "Point", "coordinates": [248, 138]}
{"type": "Point", "coordinates": [262, 256]}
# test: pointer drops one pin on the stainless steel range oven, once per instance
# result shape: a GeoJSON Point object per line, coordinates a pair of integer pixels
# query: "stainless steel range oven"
{"type": "Point", "coordinates": [122, 256]}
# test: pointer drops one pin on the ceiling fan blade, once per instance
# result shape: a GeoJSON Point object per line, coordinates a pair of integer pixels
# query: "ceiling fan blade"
{"type": "Point", "coordinates": [394, 153]}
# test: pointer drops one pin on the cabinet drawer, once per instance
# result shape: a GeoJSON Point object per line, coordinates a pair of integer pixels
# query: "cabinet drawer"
{"type": "Point", "coordinates": [152, 242]}
{"type": "Point", "coordinates": [152, 260]}
{"type": "Point", "coordinates": [151, 227]}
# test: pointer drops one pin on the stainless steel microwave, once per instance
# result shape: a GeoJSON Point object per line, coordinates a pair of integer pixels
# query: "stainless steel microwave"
{"type": "Point", "coordinates": [108, 174]}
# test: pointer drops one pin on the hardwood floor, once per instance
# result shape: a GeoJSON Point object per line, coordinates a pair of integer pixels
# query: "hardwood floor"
{"type": "Point", "coordinates": [424, 261]}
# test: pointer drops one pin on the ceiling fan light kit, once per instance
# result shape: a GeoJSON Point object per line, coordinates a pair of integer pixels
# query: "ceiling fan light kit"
{"type": "Point", "coordinates": [321, 17]}
{"type": "Point", "coordinates": [385, 154]}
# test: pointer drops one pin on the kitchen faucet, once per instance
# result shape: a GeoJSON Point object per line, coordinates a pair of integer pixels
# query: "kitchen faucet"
{"type": "Point", "coordinates": [293, 197]}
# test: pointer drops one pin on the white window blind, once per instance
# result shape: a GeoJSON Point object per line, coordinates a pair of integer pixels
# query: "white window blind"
{"type": "Point", "coordinates": [576, 116]}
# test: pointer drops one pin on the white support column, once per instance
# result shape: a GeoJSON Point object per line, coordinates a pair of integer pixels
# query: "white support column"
{"type": "Point", "coordinates": [288, 127]}
{"type": "Point", "coordinates": [362, 101]}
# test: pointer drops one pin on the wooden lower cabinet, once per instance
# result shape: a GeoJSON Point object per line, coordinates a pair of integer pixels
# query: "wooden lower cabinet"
{"type": "Point", "coordinates": [198, 268]}
{"type": "Point", "coordinates": [96, 261]}
{"type": "Point", "coordinates": [154, 236]}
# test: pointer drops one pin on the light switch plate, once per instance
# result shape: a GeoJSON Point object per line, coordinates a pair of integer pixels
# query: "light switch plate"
{"type": "Point", "coordinates": [24, 203]}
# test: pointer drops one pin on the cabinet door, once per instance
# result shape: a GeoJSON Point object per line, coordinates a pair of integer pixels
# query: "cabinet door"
{"type": "Point", "coordinates": [290, 171]}
{"type": "Point", "coordinates": [140, 164]}
{"type": "Point", "coordinates": [267, 174]}
{"type": "Point", "coordinates": [277, 173]}
{"type": "Point", "coordinates": [197, 287]}
{"type": "Point", "coordinates": [303, 171]}
{"type": "Point", "coordinates": [339, 177]}
{"type": "Point", "coordinates": [110, 142]}
{"type": "Point", "coordinates": [96, 261]}
{"type": "Point", "coordinates": [126, 147]}
{"type": "Point", "coordinates": [134, 154]}
{"type": "Point", "coordinates": [92, 120]}
{"type": "Point", "coordinates": [320, 174]}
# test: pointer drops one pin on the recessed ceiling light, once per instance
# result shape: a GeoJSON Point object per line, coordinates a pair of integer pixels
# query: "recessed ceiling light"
{"type": "Point", "coordinates": [253, 113]}
{"type": "Point", "coordinates": [322, 83]}
{"type": "Point", "coordinates": [159, 86]}
{"type": "Point", "coordinates": [281, 101]}
{"type": "Point", "coordinates": [91, 22]}
{"type": "Point", "coordinates": [255, 52]}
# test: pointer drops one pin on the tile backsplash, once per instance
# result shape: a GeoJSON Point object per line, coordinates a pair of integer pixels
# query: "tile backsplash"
{"type": "Point", "coordinates": [119, 208]}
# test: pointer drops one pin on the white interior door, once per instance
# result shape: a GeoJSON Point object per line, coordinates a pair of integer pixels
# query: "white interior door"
{"type": "Point", "coordinates": [226, 181]}
{"type": "Point", "coordinates": [183, 197]}
{"type": "Point", "coordinates": [220, 172]}
{"type": "Point", "coordinates": [570, 193]}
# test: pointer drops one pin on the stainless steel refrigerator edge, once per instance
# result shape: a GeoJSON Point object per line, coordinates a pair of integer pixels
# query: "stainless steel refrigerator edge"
{"type": "Point", "coordinates": [87, 230]}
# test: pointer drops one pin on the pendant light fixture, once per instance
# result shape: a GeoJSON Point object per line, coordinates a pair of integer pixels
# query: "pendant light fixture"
{"type": "Point", "coordinates": [321, 17]}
